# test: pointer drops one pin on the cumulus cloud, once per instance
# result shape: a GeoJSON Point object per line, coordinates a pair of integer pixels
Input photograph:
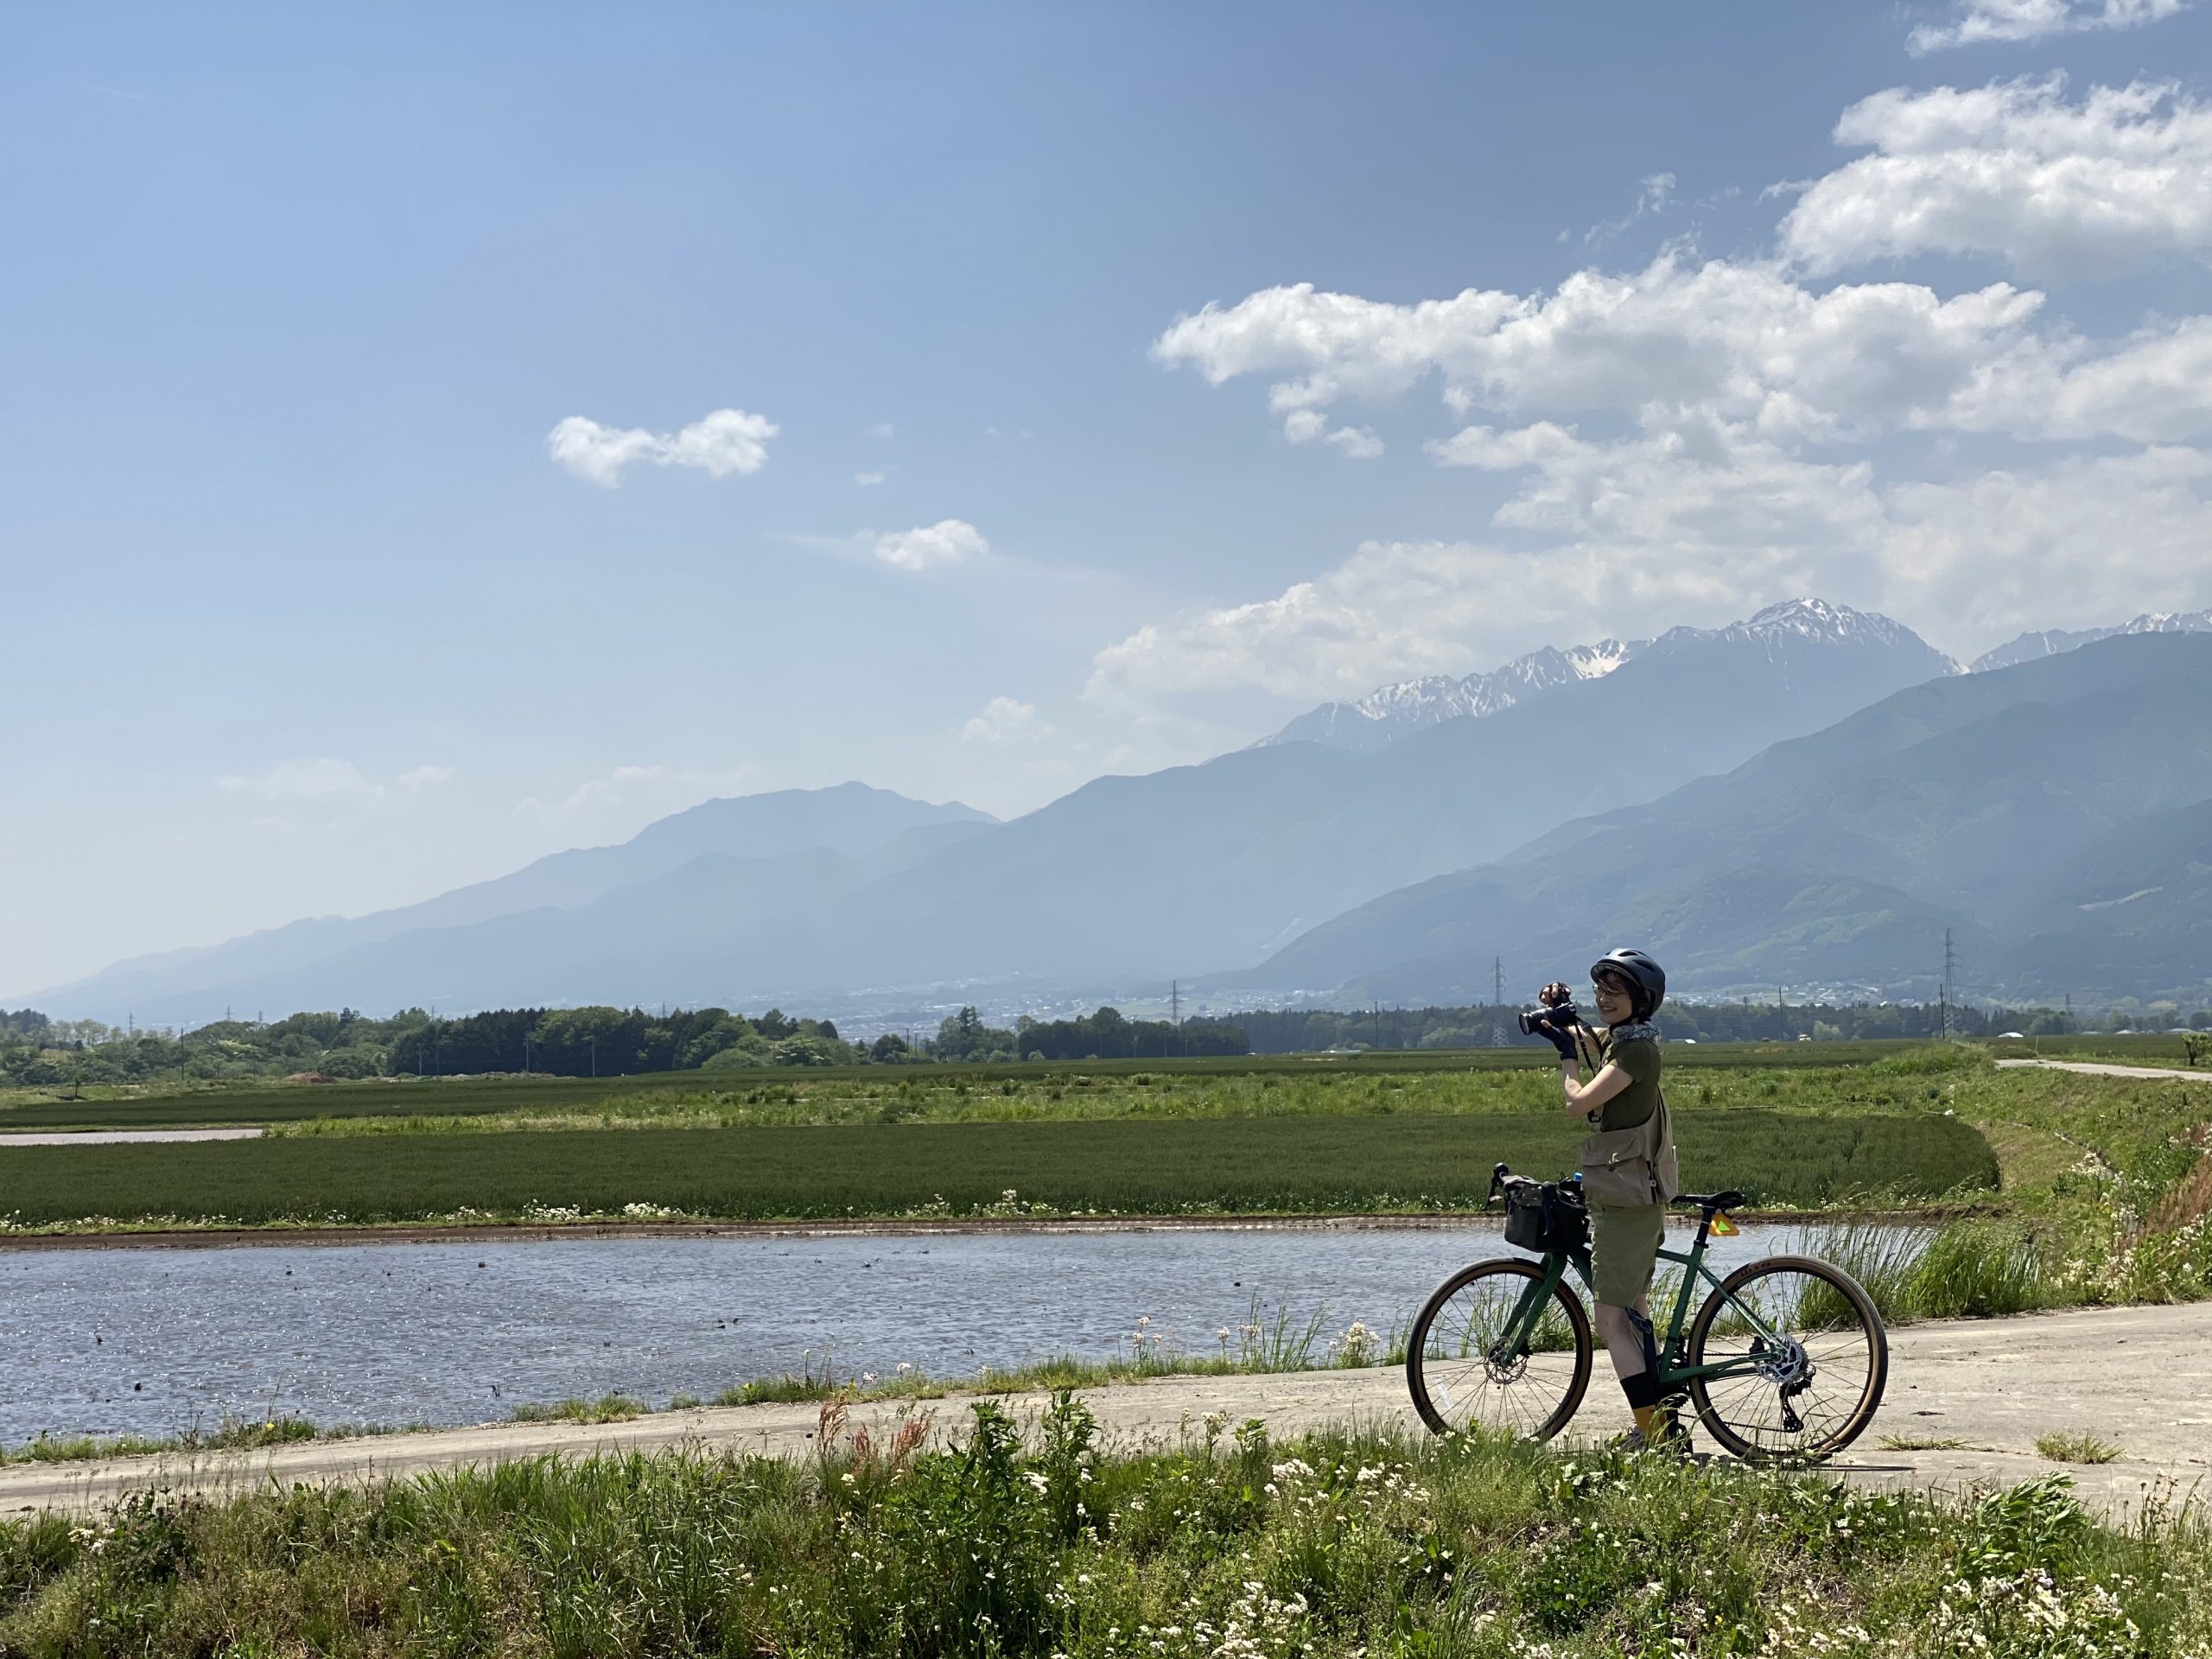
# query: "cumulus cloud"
{"type": "Point", "coordinates": [2056, 188]}
{"type": "Point", "coordinates": [949, 541]}
{"type": "Point", "coordinates": [728, 441]}
{"type": "Point", "coordinates": [1975, 21]}
{"type": "Point", "coordinates": [1005, 721]}
{"type": "Point", "coordinates": [1743, 340]}
{"type": "Point", "coordinates": [1691, 439]}
{"type": "Point", "coordinates": [1392, 610]}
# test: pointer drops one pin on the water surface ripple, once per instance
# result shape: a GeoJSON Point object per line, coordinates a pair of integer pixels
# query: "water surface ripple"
{"type": "Point", "coordinates": [158, 1341]}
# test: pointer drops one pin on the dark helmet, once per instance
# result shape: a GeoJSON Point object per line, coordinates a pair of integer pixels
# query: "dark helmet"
{"type": "Point", "coordinates": [1648, 978]}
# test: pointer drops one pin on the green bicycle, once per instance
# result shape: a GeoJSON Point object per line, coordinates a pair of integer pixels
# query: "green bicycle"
{"type": "Point", "coordinates": [1787, 1357]}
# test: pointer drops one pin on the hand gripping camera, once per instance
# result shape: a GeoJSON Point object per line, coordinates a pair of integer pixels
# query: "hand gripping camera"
{"type": "Point", "coordinates": [1558, 1012]}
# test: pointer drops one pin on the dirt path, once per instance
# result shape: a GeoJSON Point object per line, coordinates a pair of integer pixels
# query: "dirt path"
{"type": "Point", "coordinates": [2140, 1378]}
{"type": "Point", "coordinates": [2099, 1068]}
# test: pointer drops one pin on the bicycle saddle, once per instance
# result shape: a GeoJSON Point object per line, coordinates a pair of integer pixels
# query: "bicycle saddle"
{"type": "Point", "coordinates": [1730, 1200]}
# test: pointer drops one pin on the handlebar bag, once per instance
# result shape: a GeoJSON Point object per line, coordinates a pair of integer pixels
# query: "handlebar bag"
{"type": "Point", "coordinates": [1544, 1220]}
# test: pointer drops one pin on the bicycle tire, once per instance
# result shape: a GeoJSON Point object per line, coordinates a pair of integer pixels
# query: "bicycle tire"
{"type": "Point", "coordinates": [1430, 1378]}
{"type": "Point", "coordinates": [1717, 1416]}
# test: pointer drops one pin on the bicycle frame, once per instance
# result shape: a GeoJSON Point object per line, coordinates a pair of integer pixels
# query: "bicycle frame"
{"type": "Point", "coordinates": [1521, 1326]}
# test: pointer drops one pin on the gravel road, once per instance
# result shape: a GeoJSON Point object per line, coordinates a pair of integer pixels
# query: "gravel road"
{"type": "Point", "coordinates": [2139, 1378]}
{"type": "Point", "coordinates": [2099, 1068]}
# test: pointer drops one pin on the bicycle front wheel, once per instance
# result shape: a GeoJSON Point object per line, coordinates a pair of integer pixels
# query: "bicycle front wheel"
{"type": "Point", "coordinates": [1806, 1355]}
{"type": "Point", "coordinates": [1465, 1372]}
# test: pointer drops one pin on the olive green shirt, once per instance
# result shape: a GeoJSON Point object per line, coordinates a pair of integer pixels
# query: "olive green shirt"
{"type": "Point", "coordinates": [1634, 1104]}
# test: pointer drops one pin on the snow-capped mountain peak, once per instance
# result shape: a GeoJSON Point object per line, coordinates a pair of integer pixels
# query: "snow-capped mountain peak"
{"type": "Point", "coordinates": [2049, 642]}
{"type": "Point", "coordinates": [1391, 712]}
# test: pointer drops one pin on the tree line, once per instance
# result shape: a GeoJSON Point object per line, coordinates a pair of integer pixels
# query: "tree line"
{"type": "Point", "coordinates": [1300, 1031]}
{"type": "Point", "coordinates": [564, 1042]}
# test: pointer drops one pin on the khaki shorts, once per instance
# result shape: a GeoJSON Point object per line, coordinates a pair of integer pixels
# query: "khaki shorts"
{"type": "Point", "coordinates": [1623, 1249]}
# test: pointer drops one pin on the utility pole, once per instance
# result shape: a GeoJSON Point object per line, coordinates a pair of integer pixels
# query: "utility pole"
{"type": "Point", "coordinates": [595, 1055]}
{"type": "Point", "coordinates": [1497, 1001]}
{"type": "Point", "coordinates": [1943, 996]}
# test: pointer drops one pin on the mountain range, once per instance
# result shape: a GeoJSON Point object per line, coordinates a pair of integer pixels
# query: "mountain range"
{"type": "Point", "coordinates": [1391, 712]}
{"type": "Point", "coordinates": [2049, 642]}
{"type": "Point", "coordinates": [2053, 816]}
{"type": "Point", "coordinates": [1375, 868]}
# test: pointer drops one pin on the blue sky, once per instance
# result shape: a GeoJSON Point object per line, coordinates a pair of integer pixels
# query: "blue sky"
{"type": "Point", "coordinates": [308, 618]}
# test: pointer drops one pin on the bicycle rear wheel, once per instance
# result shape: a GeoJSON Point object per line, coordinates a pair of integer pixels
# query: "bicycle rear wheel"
{"type": "Point", "coordinates": [1810, 1382]}
{"type": "Point", "coordinates": [1461, 1373]}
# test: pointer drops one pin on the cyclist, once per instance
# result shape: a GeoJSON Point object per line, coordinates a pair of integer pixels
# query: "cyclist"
{"type": "Point", "coordinates": [1626, 1234]}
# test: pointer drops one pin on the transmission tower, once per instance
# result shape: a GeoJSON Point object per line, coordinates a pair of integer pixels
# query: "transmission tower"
{"type": "Point", "coordinates": [1943, 996]}
{"type": "Point", "coordinates": [1497, 1001]}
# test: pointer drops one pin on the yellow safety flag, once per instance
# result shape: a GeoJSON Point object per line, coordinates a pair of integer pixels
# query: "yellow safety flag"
{"type": "Point", "coordinates": [1722, 1227]}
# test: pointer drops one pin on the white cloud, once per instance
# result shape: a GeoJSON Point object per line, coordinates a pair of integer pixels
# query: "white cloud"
{"type": "Point", "coordinates": [318, 794]}
{"type": "Point", "coordinates": [728, 441]}
{"type": "Point", "coordinates": [868, 480]}
{"type": "Point", "coordinates": [2064, 189]}
{"type": "Point", "coordinates": [1742, 340]}
{"type": "Point", "coordinates": [1005, 721]}
{"type": "Point", "coordinates": [1973, 21]}
{"type": "Point", "coordinates": [1695, 439]}
{"type": "Point", "coordinates": [1392, 610]}
{"type": "Point", "coordinates": [883, 429]}
{"type": "Point", "coordinates": [1306, 425]}
{"type": "Point", "coordinates": [2008, 549]}
{"type": "Point", "coordinates": [1652, 196]}
{"type": "Point", "coordinates": [949, 541]}
{"type": "Point", "coordinates": [630, 797]}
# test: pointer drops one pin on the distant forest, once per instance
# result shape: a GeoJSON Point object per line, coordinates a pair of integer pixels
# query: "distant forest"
{"type": "Point", "coordinates": [609, 1042]}
{"type": "Point", "coordinates": [1301, 1030]}
{"type": "Point", "coordinates": [565, 1042]}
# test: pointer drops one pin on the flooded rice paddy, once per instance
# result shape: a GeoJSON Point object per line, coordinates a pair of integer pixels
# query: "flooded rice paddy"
{"type": "Point", "coordinates": [161, 1341]}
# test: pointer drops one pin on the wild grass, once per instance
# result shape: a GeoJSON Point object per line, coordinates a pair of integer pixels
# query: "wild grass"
{"type": "Point", "coordinates": [1335, 1546]}
{"type": "Point", "coordinates": [2076, 1448]}
{"type": "Point", "coordinates": [1297, 1165]}
{"type": "Point", "coordinates": [609, 1408]}
{"type": "Point", "coordinates": [232, 1432]}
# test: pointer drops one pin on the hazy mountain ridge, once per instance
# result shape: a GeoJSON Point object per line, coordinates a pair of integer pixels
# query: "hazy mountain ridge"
{"type": "Point", "coordinates": [854, 819]}
{"type": "Point", "coordinates": [1125, 879]}
{"type": "Point", "coordinates": [2014, 806]}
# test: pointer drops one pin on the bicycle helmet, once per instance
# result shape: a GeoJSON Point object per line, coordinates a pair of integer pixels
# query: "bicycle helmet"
{"type": "Point", "coordinates": [1647, 976]}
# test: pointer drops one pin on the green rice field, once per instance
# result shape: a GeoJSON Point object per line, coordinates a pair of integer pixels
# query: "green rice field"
{"type": "Point", "coordinates": [1127, 1165]}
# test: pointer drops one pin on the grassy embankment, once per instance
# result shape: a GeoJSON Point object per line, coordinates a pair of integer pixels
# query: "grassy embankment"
{"type": "Point", "coordinates": [1229, 1548]}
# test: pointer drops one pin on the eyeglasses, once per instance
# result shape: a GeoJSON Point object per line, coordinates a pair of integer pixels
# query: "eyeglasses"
{"type": "Point", "coordinates": [1614, 984]}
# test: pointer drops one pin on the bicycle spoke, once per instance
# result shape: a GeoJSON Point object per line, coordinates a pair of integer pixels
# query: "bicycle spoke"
{"type": "Point", "coordinates": [1473, 1377]}
{"type": "Point", "coordinates": [1804, 1365]}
